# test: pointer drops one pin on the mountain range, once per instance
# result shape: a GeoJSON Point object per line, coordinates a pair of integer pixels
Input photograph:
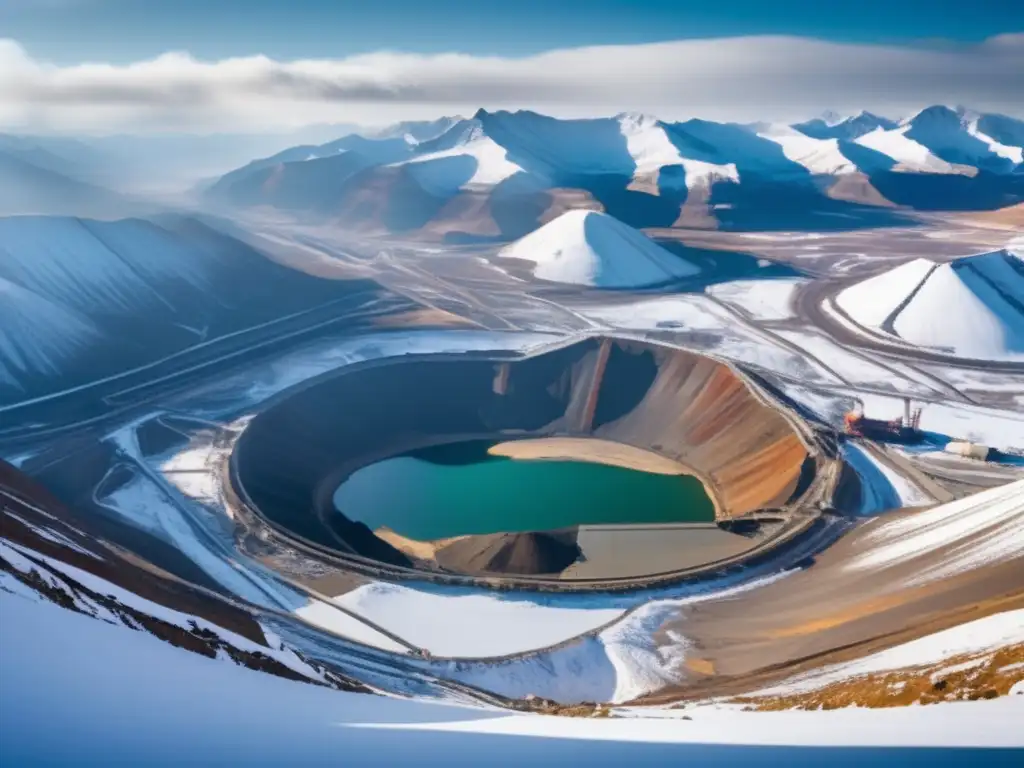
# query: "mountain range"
{"type": "Point", "coordinates": [499, 175]}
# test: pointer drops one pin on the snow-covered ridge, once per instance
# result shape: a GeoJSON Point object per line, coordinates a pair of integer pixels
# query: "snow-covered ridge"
{"type": "Point", "coordinates": [971, 306]}
{"type": "Point", "coordinates": [488, 148]}
{"type": "Point", "coordinates": [650, 147]}
{"type": "Point", "coordinates": [100, 599]}
{"type": "Point", "coordinates": [591, 248]}
{"type": "Point", "coordinates": [472, 159]}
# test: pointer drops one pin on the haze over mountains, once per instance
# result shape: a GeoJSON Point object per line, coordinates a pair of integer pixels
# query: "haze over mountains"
{"type": "Point", "coordinates": [44, 174]}
{"type": "Point", "coordinates": [500, 175]}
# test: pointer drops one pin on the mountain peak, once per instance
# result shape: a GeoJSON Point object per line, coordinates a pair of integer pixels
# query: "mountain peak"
{"type": "Point", "coordinates": [939, 114]}
{"type": "Point", "coordinates": [848, 128]}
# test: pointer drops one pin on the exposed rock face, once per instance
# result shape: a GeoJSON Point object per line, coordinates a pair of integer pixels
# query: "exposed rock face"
{"type": "Point", "coordinates": [677, 404]}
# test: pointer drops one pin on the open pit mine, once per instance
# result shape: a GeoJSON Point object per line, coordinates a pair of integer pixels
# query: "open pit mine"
{"type": "Point", "coordinates": [510, 453]}
{"type": "Point", "coordinates": [632, 404]}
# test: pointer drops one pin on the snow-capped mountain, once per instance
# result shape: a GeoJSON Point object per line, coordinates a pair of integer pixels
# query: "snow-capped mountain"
{"type": "Point", "coordinates": [849, 128]}
{"type": "Point", "coordinates": [501, 174]}
{"type": "Point", "coordinates": [80, 298]}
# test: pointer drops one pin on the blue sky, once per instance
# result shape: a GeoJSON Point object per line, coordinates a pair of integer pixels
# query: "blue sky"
{"type": "Point", "coordinates": [67, 31]}
{"type": "Point", "coordinates": [265, 65]}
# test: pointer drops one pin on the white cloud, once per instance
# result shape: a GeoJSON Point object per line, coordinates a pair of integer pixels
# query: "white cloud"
{"type": "Point", "coordinates": [729, 78]}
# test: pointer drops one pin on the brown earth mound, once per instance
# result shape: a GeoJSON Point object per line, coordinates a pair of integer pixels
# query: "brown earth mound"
{"type": "Point", "coordinates": [517, 553]}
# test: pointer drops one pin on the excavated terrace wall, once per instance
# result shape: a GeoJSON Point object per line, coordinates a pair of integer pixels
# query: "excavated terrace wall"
{"type": "Point", "coordinates": [681, 405]}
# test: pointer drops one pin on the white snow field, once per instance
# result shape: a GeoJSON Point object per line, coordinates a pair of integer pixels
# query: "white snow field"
{"type": "Point", "coordinates": [471, 624]}
{"type": "Point", "coordinates": [969, 307]}
{"type": "Point", "coordinates": [652, 150]}
{"type": "Point", "coordinates": [620, 663]}
{"type": "Point", "coordinates": [149, 702]}
{"type": "Point", "coordinates": [763, 299]}
{"type": "Point", "coordinates": [595, 249]}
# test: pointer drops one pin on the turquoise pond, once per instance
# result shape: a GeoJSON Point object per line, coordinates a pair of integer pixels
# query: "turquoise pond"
{"type": "Point", "coordinates": [460, 489]}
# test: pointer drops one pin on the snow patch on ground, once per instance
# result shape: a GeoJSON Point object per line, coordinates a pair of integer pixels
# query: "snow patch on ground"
{"type": "Point", "coordinates": [325, 616]}
{"type": "Point", "coordinates": [469, 623]}
{"type": "Point", "coordinates": [882, 488]}
{"type": "Point", "coordinates": [194, 471]}
{"type": "Point", "coordinates": [764, 299]}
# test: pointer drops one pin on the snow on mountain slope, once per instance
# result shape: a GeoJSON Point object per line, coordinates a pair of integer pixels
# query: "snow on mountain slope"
{"type": "Point", "coordinates": [471, 624]}
{"type": "Point", "coordinates": [649, 145]}
{"type": "Point", "coordinates": [947, 133]}
{"type": "Point", "coordinates": [820, 156]}
{"type": "Point", "coordinates": [84, 265]}
{"type": "Point", "coordinates": [972, 306]}
{"type": "Point", "coordinates": [37, 335]}
{"type": "Point", "coordinates": [591, 248]}
{"type": "Point", "coordinates": [148, 698]}
{"type": "Point", "coordinates": [737, 145]}
{"type": "Point", "coordinates": [1007, 131]}
{"type": "Point", "coordinates": [908, 154]}
{"type": "Point", "coordinates": [844, 128]}
{"type": "Point", "coordinates": [474, 160]}
{"type": "Point", "coordinates": [551, 147]}
{"type": "Point", "coordinates": [1015, 154]}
